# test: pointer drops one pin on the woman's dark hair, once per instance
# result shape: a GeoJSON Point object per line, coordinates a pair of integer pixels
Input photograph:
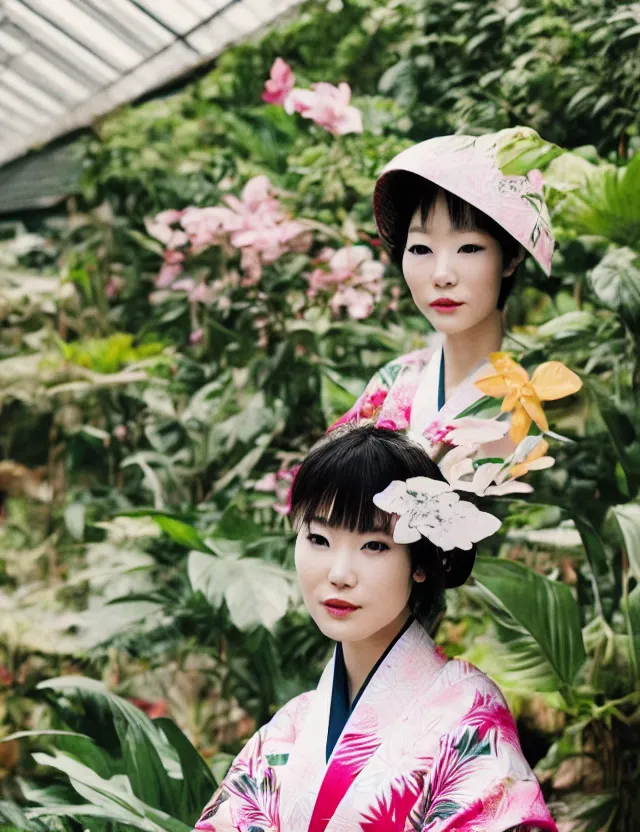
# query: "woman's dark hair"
{"type": "Point", "coordinates": [338, 480]}
{"type": "Point", "coordinates": [408, 191]}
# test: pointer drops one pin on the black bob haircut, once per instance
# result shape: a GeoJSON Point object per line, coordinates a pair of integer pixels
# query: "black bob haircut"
{"type": "Point", "coordinates": [407, 192]}
{"type": "Point", "coordinates": [337, 482]}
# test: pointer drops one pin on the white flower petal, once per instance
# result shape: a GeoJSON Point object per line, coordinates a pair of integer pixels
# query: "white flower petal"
{"type": "Point", "coordinates": [394, 498]}
{"type": "Point", "coordinates": [527, 446]}
{"type": "Point", "coordinates": [472, 431]}
{"type": "Point", "coordinates": [463, 485]}
{"type": "Point", "coordinates": [542, 463]}
{"type": "Point", "coordinates": [509, 487]}
{"type": "Point", "coordinates": [404, 533]}
{"type": "Point", "coordinates": [485, 475]}
{"type": "Point", "coordinates": [453, 458]}
{"type": "Point", "coordinates": [557, 436]}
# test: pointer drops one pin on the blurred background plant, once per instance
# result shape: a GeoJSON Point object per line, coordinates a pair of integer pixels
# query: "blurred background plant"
{"type": "Point", "coordinates": [174, 343]}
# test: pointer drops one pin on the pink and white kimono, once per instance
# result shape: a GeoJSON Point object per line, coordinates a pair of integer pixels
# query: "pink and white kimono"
{"type": "Point", "coordinates": [407, 394]}
{"type": "Point", "coordinates": [428, 746]}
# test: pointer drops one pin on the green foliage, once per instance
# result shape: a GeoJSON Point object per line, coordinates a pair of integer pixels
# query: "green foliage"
{"type": "Point", "coordinates": [542, 615]}
{"type": "Point", "coordinates": [108, 355]}
{"type": "Point", "coordinates": [155, 780]}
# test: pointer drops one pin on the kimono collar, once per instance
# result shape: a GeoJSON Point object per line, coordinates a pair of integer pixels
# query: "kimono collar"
{"type": "Point", "coordinates": [429, 403]}
{"type": "Point", "coordinates": [341, 709]}
{"type": "Point", "coordinates": [313, 788]}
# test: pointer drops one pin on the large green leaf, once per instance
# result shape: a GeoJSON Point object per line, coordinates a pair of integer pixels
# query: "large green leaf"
{"type": "Point", "coordinates": [257, 593]}
{"type": "Point", "coordinates": [125, 715]}
{"type": "Point", "coordinates": [543, 610]}
{"type": "Point", "coordinates": [601, 574]}
{"type": "Point", "coordinates": [80, 746]}
{"type": "Point", "coordinates": [110, 798]}
{"type": "Point", "coordinates": [628, 518]}
{"type": "Point", "coordinates": [199, 782]}
{"type": "Point", "coordinates": [616, 283]}
{"type": "Point", "coordinates": [144, 768]}
{"type": "Point", "coordinates": [609, 205]}
{"type": "Point", "coordinates": [74, 518]}
{"type": "Point", "coordinates": [622, 424]}
{"type": "Point", "coordinates": [521, 149]}
{"type": "Point", "coordinates": [182, 797]}
{"type": "Point", "coordinates": [179, 530]}
{"type": "Point", "coordinates": [14, 815]}
{"type": "Point", "coordinates": [632, 615]}
{"type": "Point", "coordinates": [568, 172]}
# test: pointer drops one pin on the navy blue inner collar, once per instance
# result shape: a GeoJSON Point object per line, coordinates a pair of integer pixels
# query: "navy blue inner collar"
{"type": "Point", "coordinates": [441, 383]}
{"type": "Point", "coordinates": [340, 710]}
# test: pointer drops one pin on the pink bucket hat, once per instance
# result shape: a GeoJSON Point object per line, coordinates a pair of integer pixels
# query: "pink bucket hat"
{"type": "Point", "coordinates": [466, 166]}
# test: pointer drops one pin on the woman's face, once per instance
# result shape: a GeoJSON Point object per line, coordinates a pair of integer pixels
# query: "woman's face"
{"type": "Point", "coordinates": [354, 585]}
{"type": "Point", "coordinates": [454, 276]}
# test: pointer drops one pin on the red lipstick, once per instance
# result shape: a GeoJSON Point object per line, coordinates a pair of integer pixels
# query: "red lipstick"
{"type": "Point", "coordinates": [445, 305]}
{"type": "Point", "coordinates": [338, 608]}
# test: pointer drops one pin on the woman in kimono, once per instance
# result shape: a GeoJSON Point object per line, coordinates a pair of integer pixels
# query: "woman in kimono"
{"type": "Point", "coordinates": [458, 228]}
{"type": "Point", "coordinates": [395, 738]}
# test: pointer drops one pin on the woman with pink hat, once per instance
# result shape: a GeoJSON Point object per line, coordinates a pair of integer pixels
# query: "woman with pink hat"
{"type": "Point", "coordinates": [458, 228]}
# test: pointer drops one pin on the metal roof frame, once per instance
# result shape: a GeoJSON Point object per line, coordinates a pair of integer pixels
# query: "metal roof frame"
{"type": "Point", "coordinates": [65, 63]}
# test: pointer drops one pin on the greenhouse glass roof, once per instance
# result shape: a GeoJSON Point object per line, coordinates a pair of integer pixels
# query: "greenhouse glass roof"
{"type": "Point", "coordinates": [65, 62]}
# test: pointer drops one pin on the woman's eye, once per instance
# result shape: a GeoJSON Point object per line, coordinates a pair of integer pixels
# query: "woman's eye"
{"type": "Point", "coordinates": [376, 546]}
{"type": "Point", "coordinates": [317, 539]}
{"type": "Point", "coordinates": [470, 248]}
{"type": "Point", "coordinates": [418, 248]}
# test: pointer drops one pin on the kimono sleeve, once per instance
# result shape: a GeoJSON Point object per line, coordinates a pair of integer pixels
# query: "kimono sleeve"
{"type": "Point", "coordinates": [480, 780]}
{"type": "Point", "coordinates": [249, 795]}
{"type": "Point", "coordinates": [217, 815]}
{"type": "Point", "coordinates": [375, 393]}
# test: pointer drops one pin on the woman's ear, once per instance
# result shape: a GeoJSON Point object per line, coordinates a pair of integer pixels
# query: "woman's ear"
{"type": "Point", "coordinates": [418, 576]}
{"type": "Point", "coordinates": [513, 264]}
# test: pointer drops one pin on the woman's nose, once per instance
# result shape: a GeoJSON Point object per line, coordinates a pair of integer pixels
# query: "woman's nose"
{"type": "Point", "coordinates": [342, 573]}
{"type": "Point", "coordinates": [444, 273]}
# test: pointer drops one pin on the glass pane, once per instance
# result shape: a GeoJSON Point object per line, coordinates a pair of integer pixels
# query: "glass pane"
{"type": "Point", "coordinates": [30, 91]}
{"type": "Point", "coordinates": [21, 107]}
{"type": "Point", "coordinates": [42, 31]}
{"type": "Point", "coordinates": [84, 28]}
{"type": "Point", "coordinates": [10, 44]}
{"type": "Point", "coordinates": [68, 86]}
{"type": "Point", "coordinates": [178, 16]}
{"type": "Point", "coordinates": [135, 20]}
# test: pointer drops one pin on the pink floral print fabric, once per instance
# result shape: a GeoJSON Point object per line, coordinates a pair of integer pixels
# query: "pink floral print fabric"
{"type": "Point", "coordinates": [430, 747]}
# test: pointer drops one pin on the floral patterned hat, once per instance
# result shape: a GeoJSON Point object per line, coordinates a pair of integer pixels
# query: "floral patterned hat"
{"type": "Point", "coordinates": [466, 166]}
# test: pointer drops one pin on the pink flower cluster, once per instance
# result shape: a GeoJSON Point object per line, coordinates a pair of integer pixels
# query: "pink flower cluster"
{"type": "Point", "coordinates": [280, 482]}
{"type": "Point", "coordinates": [353, 276]}
{"type": "Point", "coordinates": [325, 104]}
{"type": "Point", "coordinates": [255, 224]}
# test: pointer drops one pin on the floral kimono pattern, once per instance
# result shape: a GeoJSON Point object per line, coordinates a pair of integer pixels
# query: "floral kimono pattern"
{"type": "Point", "coordinates": [403, 395]}
{"type": "Point", "coordinates": [430, 746]}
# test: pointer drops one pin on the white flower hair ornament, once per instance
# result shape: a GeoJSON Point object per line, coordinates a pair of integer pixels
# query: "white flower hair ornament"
{"type": "Point", "coordinates": [432, 509]}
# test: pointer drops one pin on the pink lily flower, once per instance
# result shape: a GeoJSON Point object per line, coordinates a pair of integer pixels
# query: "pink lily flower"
{"type": "Point", "coordinates": [280, 83]}
{"type": "Point", "coordinates": [326, 105]}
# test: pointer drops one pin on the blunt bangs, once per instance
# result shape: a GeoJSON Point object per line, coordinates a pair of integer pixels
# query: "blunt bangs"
{"type": "Point", "coordinates": [339, 478]}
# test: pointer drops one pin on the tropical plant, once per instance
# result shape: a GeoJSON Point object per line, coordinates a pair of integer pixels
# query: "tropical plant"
{"type": "Point", "coordinates": [129, 772]}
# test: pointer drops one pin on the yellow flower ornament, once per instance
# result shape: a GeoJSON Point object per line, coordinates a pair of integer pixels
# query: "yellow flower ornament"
{"type": "Point", "coordinates": [524, 395]}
